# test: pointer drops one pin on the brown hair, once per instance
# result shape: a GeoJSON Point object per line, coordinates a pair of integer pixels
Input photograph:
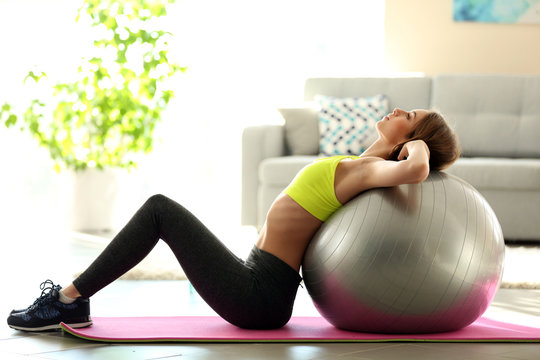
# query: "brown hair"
{"type": "Point", "coordinates": [441, 140]}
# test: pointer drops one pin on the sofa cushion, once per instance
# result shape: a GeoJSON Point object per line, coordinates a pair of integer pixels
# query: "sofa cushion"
{"type": "Point", "coordinates": [498, 173]}
{"type": "Point", "coordinates": [404, 92]}
{"type": "Point", "coordinates": [347, 125]}
{"type": "Point", "coordinates": [483, 173]}
{"type": "Point", "coordinates": [301, 130]}
{"type": "Point", "coordinates": [494, 115]}
{"type": "Point", "coordinates": [279, 171]}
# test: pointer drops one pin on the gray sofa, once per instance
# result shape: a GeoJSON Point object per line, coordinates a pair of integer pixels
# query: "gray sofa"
{"type": "Point", "coordinates": [497, 119]}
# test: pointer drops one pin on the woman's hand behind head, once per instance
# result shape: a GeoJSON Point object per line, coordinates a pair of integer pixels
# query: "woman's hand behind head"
{"type": "Point", "coordinates": [409, 146]}
{"type": "Point", "coordinates": [441, 141]}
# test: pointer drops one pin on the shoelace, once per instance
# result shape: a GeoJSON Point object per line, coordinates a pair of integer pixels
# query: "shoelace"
{"type": "Point", "coordinates": [44, 286]}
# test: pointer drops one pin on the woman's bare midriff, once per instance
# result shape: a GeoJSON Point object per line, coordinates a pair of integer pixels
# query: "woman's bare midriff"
{"type": "Point", "coordinates": [288, 231]}
{"type": "Point", "coordinates": [289, 227]}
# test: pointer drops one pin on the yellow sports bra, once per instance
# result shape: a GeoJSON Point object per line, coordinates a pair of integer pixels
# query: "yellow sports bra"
{"type": "Point", "coordinates": [313, 187]}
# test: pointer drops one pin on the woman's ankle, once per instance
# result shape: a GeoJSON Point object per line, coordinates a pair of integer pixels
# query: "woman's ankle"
{"type": "Point", "coordinates": [71, 291]}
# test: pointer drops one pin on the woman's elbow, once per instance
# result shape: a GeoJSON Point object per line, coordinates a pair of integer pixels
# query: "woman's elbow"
{"type": "Point", "coordinates": [419, 173]}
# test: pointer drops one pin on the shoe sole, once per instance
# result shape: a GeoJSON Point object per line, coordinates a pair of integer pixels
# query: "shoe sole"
{"type": "Point", "coordinates": [53, 327]}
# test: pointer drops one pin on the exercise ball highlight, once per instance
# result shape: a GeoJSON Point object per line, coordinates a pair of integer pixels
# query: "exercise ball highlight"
{"type": "Point", "coordinates": [419, 258]}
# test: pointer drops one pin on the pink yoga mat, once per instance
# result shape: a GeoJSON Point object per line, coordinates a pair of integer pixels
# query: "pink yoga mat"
{"type": "Point", "coordinates": [299, 329]}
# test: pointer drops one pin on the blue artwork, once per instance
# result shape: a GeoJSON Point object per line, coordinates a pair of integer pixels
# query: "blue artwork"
{"type": "Point", "coordinates": [498, 11]}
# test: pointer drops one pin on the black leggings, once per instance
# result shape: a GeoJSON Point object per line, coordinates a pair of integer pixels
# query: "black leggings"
{"type": "Point", "coordinates": [257, 293]}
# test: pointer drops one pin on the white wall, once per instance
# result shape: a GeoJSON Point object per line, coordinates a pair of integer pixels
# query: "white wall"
{"type": "Point", "coordinates": [245, 58]}
{"type": "Point", "coordinates": [421, 36]}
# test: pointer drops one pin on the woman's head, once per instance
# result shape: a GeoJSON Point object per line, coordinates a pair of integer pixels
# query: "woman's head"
{"type": "Point", "coordinates": [432, 128]}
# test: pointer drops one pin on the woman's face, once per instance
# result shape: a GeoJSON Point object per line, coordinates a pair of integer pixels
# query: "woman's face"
{"type": "Point", "coordinates": [396, 126]}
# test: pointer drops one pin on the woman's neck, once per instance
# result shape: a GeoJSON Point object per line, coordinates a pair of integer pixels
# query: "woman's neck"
{"type": "Point", "coordinates": [379, 148]}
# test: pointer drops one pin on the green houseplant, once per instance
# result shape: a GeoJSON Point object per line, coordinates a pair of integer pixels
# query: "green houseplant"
{"type": "Point", "coordinates": [105, 117]}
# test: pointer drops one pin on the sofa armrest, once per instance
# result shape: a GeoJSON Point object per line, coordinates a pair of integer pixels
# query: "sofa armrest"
{"type": "Point", "coordinates": [258, 143]}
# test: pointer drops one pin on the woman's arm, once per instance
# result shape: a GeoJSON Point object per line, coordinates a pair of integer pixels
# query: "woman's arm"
{"type": "Point", "coordinates": [355, 176]}
{"type": "Point", "coordinates": [412, 167]}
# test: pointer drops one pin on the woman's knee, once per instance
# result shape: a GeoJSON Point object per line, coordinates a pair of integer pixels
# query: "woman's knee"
{"type": "Point", "coordinates": [156, 204]}
{"type": "Point", "coordinates": [157, 201]}
{"type": "Point", "coordinates": [158, 198]}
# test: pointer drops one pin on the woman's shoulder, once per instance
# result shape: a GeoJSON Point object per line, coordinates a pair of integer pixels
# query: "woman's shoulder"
{"type": "Point", "coordinates": [359, 168]}
{"type": "Point", "coordinates": [378, 172]}
{"type": "Point", "coordinates": [353, 176]}
{"type": "Point", "coordinates": [362, 160]}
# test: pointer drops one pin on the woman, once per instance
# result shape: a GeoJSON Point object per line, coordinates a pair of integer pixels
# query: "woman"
{"type": "Point", "coordinates": [257, 293]}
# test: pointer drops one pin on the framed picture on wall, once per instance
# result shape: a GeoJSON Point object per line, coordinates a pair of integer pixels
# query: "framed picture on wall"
{"type": "Point", "coordinates": [498, 11]}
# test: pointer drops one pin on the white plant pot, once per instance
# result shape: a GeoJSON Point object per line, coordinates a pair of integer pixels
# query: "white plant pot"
{"type": "Point", "coordinates": [94, 200]}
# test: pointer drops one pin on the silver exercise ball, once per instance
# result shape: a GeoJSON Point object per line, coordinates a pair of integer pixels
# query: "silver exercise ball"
{"type": "Point", "coordinates": [416, 258]}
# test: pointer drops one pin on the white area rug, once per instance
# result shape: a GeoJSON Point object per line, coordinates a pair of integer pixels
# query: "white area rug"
{"type": "Point", "coordinates": [152, 271]}
{"type": "Point", "coordinates": [521, 269]}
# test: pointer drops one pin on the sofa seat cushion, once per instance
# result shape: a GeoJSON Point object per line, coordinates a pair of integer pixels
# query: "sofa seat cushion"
{"type": "Point", "coordinates": [498, 173]}
{"type": "Point", "coordinates": [279, 171]}
{"type": "Point", "coordinates": [482, 173]}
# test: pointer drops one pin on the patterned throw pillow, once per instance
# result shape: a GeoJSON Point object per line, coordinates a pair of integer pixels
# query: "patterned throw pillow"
{"type": "Point", "coordinates": [347, 125]}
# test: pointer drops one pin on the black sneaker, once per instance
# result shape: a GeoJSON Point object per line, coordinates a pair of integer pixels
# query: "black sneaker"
{"type": "Point", "coordinates": [47, 312]}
